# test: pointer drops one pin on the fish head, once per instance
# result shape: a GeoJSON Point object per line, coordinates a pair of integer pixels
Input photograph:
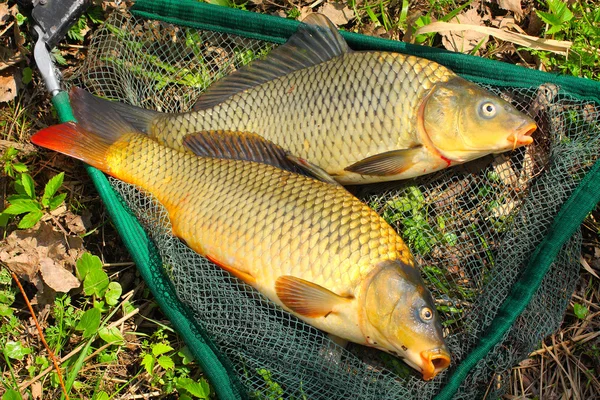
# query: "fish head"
{"type": "Point", "coordinates": [462, 121]}
{"type": "Point", "coordinates": [400, 318]}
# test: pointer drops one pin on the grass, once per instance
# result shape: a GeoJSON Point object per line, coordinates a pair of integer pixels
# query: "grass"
{"type": "Point", "coordinates": [111, 341]}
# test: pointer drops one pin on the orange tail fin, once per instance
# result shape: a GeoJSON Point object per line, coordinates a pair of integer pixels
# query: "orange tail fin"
{"type": "Point", "coordinates": [71, 139]}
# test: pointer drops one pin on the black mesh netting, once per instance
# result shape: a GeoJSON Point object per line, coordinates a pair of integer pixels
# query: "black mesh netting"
{"type": "Point", "coordinates": [471, 228]}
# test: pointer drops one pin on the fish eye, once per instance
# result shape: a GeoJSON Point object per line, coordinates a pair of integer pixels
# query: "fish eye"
{"type": "Point", "coordinates": [487, 110]}
{"type": "Point", "coordinates": [426, 314]}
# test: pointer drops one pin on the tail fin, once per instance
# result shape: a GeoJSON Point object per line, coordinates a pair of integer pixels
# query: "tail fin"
{"type": "Point", "coordinates": [71, 139]}
{"type": "Point", "coordinates": [87, 106]}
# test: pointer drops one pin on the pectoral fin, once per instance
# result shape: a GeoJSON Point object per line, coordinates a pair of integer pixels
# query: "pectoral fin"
{"type": "Point", "coordinates": [307, 298]}
{"type": "Point", "coordinates": [385, 164]}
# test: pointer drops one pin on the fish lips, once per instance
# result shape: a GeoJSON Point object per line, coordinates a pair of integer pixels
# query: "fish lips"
{"type": "Point", "coordinates": [522, 135]}
{"type": "Point", "coordinates": [434, 362]}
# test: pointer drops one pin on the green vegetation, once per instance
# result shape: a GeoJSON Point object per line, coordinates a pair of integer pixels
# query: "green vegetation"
{"type": "Point", "coordinates": [422, 232]}
{"type": "Point", "coordinates": [25, 201]}
{"type": "Point", "coordinates": [578, 22]}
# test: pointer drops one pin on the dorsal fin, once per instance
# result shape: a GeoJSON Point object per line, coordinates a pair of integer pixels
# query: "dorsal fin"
{"type": "Point", "coordinates": [316, 40]}
{"type": "Point", "coordinates": [251, 147]}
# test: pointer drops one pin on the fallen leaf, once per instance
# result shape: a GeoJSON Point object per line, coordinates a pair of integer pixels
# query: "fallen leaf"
{"type": "Point", "coordinates": [24, 250]}
{"type": "Point", "coordinates": [4, 14]}
{"type": "Point", "coordinates": [8, 86]}
{"type": "Point", "coordinates": [338, 13]}
{"type": "Point", "coordinates": [466, 40]}
{"type": "Point", "coordinates": [555, 46]}
{"type": "Point", "coordinates": [36, 390]}
{"type": "Point", "coordinates": [304, 12]}
{"type": "Point", "coordinates": [587, 267]}
{"type": "Point", "coordinates": [75, 224]}
{"type": "Point", "coordinates": [511, 5]}
{"type": "Point", "coordinates": [56, 277]}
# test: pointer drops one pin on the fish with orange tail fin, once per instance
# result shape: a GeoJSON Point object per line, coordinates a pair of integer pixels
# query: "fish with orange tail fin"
{"type": "Point", "coordinates": [309, 246]}
{"type": "Point", "coordinates": [362, 116]}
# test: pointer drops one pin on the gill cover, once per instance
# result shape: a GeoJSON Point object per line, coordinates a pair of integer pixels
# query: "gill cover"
{"type": "Point", "coordinates": [461, 121]}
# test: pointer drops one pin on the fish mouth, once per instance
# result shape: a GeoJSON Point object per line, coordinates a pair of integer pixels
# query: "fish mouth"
{"type": "Point", "coordinates": [522, 135]}
{"type": "Point", "coordinates": [434, 362]}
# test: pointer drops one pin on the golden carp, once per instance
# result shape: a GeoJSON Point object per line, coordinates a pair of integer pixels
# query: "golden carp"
{"type": "Point", "coordinates": [309, 246]}
{"type": "Point", "coordinates": [362, 116]}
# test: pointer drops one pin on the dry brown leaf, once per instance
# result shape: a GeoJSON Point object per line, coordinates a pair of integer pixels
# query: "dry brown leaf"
{"type": "Point", "coordinates": [4, 14]}
{"type": "Point", "coordinates": [56, 277]}
{"type": "Point", "coordinates": [75, 223]}
{"type": "Point", "coordinates": [304, 12]}
{"type": "Point", "coordinates": [36, 391]}
{"type": "Point", "coordinates": [338, 13]}
{"type": "Point", "coordinates": [511, 5]}
{"type": "Point", "coordinates": [554, 46]}
{"type": "Point", "coordinates": [8, 86]}
{"type": "Point", "coordinates": [587, 267]}
{"type": "Point", "coordinates": [466, 40]}
{"type": "Point", "coordinates": [23, 250]}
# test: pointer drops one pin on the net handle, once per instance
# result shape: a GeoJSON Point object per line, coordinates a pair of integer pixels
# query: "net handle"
{"type": "Point", "coordinates": [141, 249]}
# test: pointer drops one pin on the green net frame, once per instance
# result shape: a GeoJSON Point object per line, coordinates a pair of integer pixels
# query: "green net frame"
{"type": "Point", "coordinates": [538, 229]}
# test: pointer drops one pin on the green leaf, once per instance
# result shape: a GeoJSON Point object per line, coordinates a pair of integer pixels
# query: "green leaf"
{"type": "Point", "coordinates": [111, 335]}
{"type": "Point", "coordinates": [89, 322]}
{"type": "Point", "coordinates": [199, 389]}
{"type": "Point", "coordinates": [580, 310]}
{"type": "Point", "coordinates": [20, 167]}
{"type": "Point", "coordinates": [127, 307]}
{"type": "Point", "coordinates": [10, 153]}
{"type": "Point", "coordinates": [27, 75]}
{"type": "Point", "coordinates": [166, 362]}
{"type": "Point", "coordinates": [160, 348]}
{"type": "Point", "coordinates": [16, 350]}
{"type": "Point", "coordinates": [5, 310]}
{"type": "Point", "coordinates": [148, 363]}
{"type": "Point", "coordinates": [30, 219]}
{"type": "Point", "coordinates": [85, 263]}
{"type": "Point", "coordinates": [113, 293]}
{"type": "Point", "coordinates": [52, 186]}
{"type": "Point", "coordinates": [11, 394]}
{"type": "Point", "coordinates": [101, 396]}
{"type": "Point", "coordinates": [20, 206]}
{"type": "Point", "coordinates": [186, 355]}
{"type": "Point", "coordinates": [548, 18]}
{"type": "Point", "coordinates": [4, 218]}
{"type": "Point", "coordinates": [7, 297]}
{"type": "Point", "coordinates": [56, 201]}
{"type": "Point", "coordinates": [20, 19]}
{"type": "Point", "coordinates": [95, 283]}
{"type": "Point", "coordinates": [5, 277]}
{"type": "Point", "coordinates": [28, 185]}
{"type": "Point", "coordinates": [560, 9]}
{"type": "Point", "coordinates": [58, 57]}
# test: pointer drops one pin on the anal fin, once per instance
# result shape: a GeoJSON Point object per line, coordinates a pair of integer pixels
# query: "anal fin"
{"type": "Point", "coordinates": [307, 298]}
